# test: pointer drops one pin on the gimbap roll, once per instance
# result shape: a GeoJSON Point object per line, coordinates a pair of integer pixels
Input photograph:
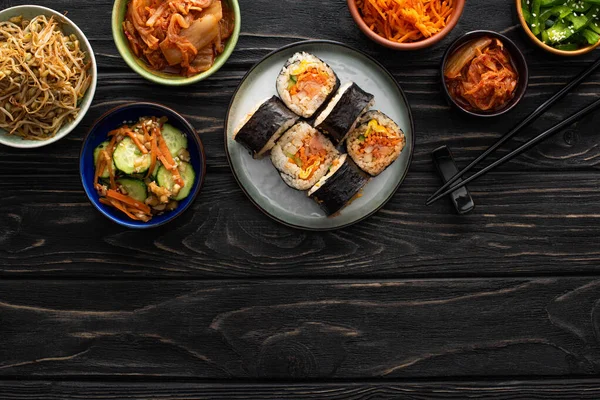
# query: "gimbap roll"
{"type": "Point", "coordinates": [302, 156]}
{"type": "Point", "coordinates": [343, 112]}
{"type": "Point", "coordinates": [375, 143]}
{"type": "Point", "coordinates": [305, 83]}
{"type": "Point", "coordinates": [261, 128]}
{"type": "Point", "coordinates": [343, 181]}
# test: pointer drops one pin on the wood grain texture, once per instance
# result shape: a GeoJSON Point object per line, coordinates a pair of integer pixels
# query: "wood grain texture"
{"type": "Point", "coordinates": [481, 322]}
{"type": "Point", "coordinates": [300, 329]}
{"type": "Point", "coordinates": [223, 235]}
{"type": "Point", "coordinates": [533, 216]}
{"type": "Point", "coordinates": [510, 390]}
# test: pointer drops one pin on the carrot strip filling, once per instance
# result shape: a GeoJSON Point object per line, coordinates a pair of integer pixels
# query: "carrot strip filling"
{"type": "Point", "coordinates": [167, 160]}
{"type": "Point", "coordinates": [99, 171]}
{"type": "Point", "coordinates": [406, 20]}
{"type": "Point", "coordinates": [119, 131]}
{"type": "Point", "coordinates": [119, 205]}
{"type": "Point", "coordinates": [153, 155]}
{"type": "Point", "coordinates": [137, 142]}
{"type": "Point", "coordinates": [113, 194]}
{"type": "Point", "coordinates": [147, 136]}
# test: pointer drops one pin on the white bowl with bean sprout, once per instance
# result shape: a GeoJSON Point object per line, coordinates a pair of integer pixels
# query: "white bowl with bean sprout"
{"type": "Point", "coordinates": [48, 76]}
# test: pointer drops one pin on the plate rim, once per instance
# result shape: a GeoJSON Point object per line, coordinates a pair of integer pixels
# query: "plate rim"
{"type": "Point", "coordinates": [370, 58]}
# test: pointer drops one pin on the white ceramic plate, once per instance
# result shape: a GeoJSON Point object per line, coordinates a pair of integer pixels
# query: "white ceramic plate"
{"type": "Point", "coordinates": [68, 27]}
{"type": "Point", "coordinates": [261, 181]}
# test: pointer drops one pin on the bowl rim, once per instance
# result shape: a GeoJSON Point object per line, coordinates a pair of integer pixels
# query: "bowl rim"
{"type": "Point", "coordinates": [91, 91]}
{"type": "Point", "coordinates": [421, 44]}
{"type": "Point", "coordinates": [177, 212]}
{"type": "Point", "coordinates": [130, 58]}
{"type": "Point", "coordinates": [523, 75]}
{"type": "Point", "coordinates": [377, 63]}
{"type": "Point", "coordinates": [550, 49]}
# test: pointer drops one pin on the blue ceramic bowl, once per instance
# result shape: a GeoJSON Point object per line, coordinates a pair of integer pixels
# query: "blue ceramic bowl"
{"type": "Point", "coordinates": [131, 113]}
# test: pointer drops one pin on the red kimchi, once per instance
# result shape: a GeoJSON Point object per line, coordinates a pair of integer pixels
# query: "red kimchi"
{"type": "Point", "coordinates": [480, 75]}
{"type": "Point", "coordinates": [178, 36]}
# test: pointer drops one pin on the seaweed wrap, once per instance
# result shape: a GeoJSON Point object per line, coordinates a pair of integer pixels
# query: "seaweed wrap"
{"type": "Point", "coordinates": [302, 156]}
{"type": "Point", "coordinates": [336, 189]}
{"type": "Point", "coordinates": [305, 83]}
{"type": "Point", "coordinates": [343, 112]}
{"type": "Point", "coordinates": [261, 128]}
{"type": "Point", "coordinates": [375, 143]}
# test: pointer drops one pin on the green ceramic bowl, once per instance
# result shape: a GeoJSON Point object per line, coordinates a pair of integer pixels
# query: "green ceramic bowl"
{"type": "Point", "coordinates": [139, 66]}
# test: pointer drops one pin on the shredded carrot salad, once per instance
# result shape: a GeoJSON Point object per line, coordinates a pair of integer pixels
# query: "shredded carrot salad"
{"type": "Point", "coordinates": [406, 21]}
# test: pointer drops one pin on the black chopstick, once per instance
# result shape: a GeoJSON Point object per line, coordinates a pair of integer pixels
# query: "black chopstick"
{"type": "Point", "coordinates": [541, 109]}
{"type": "Point", "coordinates": [520, 149]}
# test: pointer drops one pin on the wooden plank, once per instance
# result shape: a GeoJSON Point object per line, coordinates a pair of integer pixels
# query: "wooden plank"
{"type": "Point", "coordinates": [300, 329]}
{"type": "Point", "coordinates": [205, 107]}
{"type": "Point", "coordinates": [418, 72]}
{"type": "Point", "coordinates": [505, 390]}
{"type": "Point", "coordinates": [523, 224]}
{"type": "Point", "coordinates": [267, 26]}
{"type": "Point", "coordinates": [46, 220]}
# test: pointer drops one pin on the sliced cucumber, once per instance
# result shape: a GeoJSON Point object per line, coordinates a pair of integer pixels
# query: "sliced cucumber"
{"type": "Point", "coordinates": [156, 168]}
{"type": "Point", "coordinates": [97, 150]}
{"type": "Point", "coordinates": [129, 159]}
{"type": "Point", "coordinates": [135, 188]}
{"type": "Point", "coordinates": [164, 179]}
{"type": "Point", "coordinates": [174, 138]}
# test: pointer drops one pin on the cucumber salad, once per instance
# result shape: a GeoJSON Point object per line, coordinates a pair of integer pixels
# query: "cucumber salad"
{"type": "Point", "coordinates": [144, 169]}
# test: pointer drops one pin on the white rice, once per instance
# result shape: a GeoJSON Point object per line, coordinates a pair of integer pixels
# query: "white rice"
{"type": "Point", "coordinates": [304, 106]}
{"type": "Point", "coordinates": [290, 143]}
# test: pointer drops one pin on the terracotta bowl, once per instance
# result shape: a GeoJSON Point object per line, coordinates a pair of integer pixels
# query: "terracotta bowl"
{"type": "Point", "coordinates": [543, 45]}
{"type": "Point", "coordinates": [421, 44]}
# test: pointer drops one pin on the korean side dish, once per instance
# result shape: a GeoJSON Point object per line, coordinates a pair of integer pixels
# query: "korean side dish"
{"type": "Point", "coordinates": [405, 21]}
{"type": "Point", "coordinates": [44, 75]}
{"type": "Point", "coordinates": [563, 24]}
{"type": "Point", "coordinates": [181, 37]}
{"type": "Point", "coordinates": [144, 169]}
{"type": "Point", "coordinates": [321, 136]}
{"type": "Point", "coordinates": [480, 75]}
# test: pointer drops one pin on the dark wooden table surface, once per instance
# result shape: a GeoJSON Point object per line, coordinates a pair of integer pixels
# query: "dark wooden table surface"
{"type": "Point", "coordinates": [414, 303]}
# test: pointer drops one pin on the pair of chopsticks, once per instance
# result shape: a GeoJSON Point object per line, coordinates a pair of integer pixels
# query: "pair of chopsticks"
{"type": "Point", "coordinates": [451, 185]}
